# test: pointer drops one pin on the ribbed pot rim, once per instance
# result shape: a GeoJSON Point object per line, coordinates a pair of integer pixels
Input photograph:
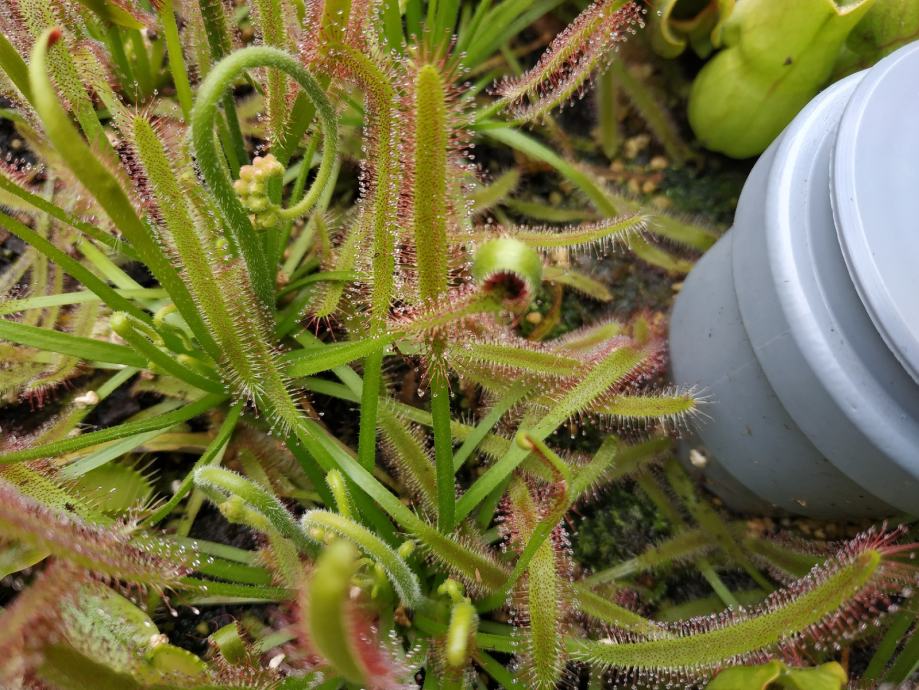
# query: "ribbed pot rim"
{"type": "Point", "coordinates": [877, 215]}
{"type": "Point", "coordinates": [866, 381]}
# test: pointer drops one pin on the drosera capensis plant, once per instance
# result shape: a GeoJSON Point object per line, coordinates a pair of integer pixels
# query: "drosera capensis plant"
{"type": "Point", "coordinates": [425, 547]}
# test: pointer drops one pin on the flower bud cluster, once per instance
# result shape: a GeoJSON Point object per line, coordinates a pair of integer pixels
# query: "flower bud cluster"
{"type": "Point", "coordinates": [252, 189]}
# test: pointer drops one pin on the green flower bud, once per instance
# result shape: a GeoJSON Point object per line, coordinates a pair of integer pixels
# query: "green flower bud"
{"type": "Point", "coordinates": [257, 204]}
{"type": "Point", "coordinates": [265, 221]}
{"type": "Point", "coordinates": [252, 190]}
{"type": "Point", "coordinates": [406, 549]}
{"type": "Point", "coordinates": [120, 323]}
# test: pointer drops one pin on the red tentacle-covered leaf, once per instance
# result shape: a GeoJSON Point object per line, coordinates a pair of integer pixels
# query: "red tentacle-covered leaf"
{"type": "Point", "coordinates": [583, 48]}
{"type": "Point", "coordinates": [835, 602]}
{"type": "Point", "coordinates": [107, 552]}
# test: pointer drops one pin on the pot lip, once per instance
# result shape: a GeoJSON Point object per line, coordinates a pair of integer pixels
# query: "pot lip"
{"type": "Point", "coordinates": [871, 133]}
{"type": "Point", "coordinates": [847, 379]}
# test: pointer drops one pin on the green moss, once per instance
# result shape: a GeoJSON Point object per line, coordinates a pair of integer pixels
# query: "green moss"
{"type": "Point", "coordinates": [621, 525]}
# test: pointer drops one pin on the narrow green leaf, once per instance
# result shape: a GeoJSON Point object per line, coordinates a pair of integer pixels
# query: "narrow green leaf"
{"type": "Point", "coordinates": [14, 67]}
{"type": "Point", "coordinates": [213, 453]}
{"type": "Point", "coordinates": [313, 360]}
{"type": "Point", "coordinates": [110, 452]}
{"type": "Point", "coordinates": [94, 438]}
{"type": "Point", "coordinates": [121, 324]}
{"type": "Point", "coordinates": [71, 266]}
{"type": "Point", "coordinates": [109, 11]}
{"type": "Point", "coordinates": [68, 344]}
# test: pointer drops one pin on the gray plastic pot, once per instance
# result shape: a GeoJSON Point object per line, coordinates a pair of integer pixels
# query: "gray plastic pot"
{"type": "Point", "coordinates": [802, 323]}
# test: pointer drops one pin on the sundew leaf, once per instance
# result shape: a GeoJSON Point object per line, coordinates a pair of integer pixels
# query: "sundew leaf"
{"type": "Point", "coordinates": [275, 28]}
{"type": "Point", "coordinates": [33, 200]}
{"type": "Point", "coordinates": [432, 147]}
{"type": "Point", "coordinates": [784, 560]}
{"type": "Point", "coordinates": [710, 520]}
{"type": "Point", "coordinates": [115, 487]}
{"type": "Point", "coordinates": [47, 490]}
{"type": "Point", "coordinates": [675, 406]}
{"type": "Point", "coordinates": [598, 235]}
{"type": "Point", "coordinates": [590, 337]}
{"type": "Point", "coordinates": [825, 603]}
{"type": "Point", "coordinates": [29, 618]}
{"type": "Point", "coordinates": [513, 358]}
{"type": "Point", "coordinates": [102, 184]}
{"type": "Point", "coordinates": [615, 460]}
{"type": "Point", "coordinates": [409, 453]}
{"type": "Point", "coordinates": [142, 559]}
{"type": "Point", "coordinates": [223, 485]}
{"type": "Point", "coordinates": [379, 202]}
{"type": "Point", "coordinates": [101, 624]}
{"type": "Point", "coordinates": [489, 196]}
{"type": "Point", "coordinates": [655, 115]}
{"type": "Point", "coordinates": [596, 192]}
{"type": "Point", "coordinates": [542, 595]}
{"type": "Point", "coordinates": [530, 526]}
{"type": "Point", "coordinates": [620, 360]}
{"type": "Point", "coordinates": [616, 365]}
{"type": "Point", "coordinates": [582, 48]}
{"type": "Point", "coordinates": [476, 567]}
{"type": "Point", "coordinates": [687, 544]}
{"type": "Point", "coordinates": [602, 609]}
{"type": "Point", "coordinates": [577, 281]}
{"type": "Point", "coordinates": [239, 230]}
{"type": "Point", "coordinates": [222, 289]}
